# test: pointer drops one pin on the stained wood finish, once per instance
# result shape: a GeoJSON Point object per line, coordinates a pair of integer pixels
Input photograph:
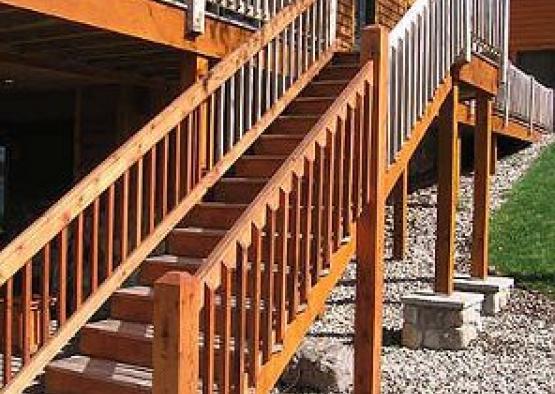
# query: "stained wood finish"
{"type": "Point", "coordinates": [400, 213]}
{"type": "Point", "coordinates": [448, 186]}
{"type": "Point", "coordinates": [482, 162]}
{"type": "Point", "coordinates": [131, 202]}
{"type": "Point", "coordinates": [370, 225]}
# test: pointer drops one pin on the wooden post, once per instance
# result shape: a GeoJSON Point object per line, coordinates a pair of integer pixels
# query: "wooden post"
{"type": "Point", "coordinates": [177, 305]}
{"type": "Point", "coordinates": [195, 67]}
{"type": "Point", "coordinates": [482, 161]}
{"type": "Point", "coordinates": [400, 213]}
{"type": "Point", "coordinates": [370, 226]}
{"type": "Point", "coordinates": [448, 184]}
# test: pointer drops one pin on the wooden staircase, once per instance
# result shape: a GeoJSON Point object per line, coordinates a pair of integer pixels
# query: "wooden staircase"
{"type": "Point", "coordinates": [116, 353]}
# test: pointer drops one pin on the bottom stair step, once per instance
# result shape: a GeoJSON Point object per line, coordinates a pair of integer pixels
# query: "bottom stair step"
{"type": "Point", "coordinates": [85, 375]}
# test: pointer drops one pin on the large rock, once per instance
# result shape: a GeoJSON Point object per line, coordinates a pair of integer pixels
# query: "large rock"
{"type": "Point", "coordinates": [321, 365]}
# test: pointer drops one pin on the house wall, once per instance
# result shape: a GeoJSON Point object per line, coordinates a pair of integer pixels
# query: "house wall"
{"type": "Point", "coordinates": [532, 25]}
{"type": "Point", "coordinates": [390, 12]}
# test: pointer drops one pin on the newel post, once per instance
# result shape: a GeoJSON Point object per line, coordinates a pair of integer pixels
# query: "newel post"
{"type": "Point", "coordinates": [176, 334]}
{"type": "Point", "coordinates": [370, 226]}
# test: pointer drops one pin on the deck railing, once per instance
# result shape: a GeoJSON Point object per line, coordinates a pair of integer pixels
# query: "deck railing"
{"type": "Point", "coordinates": [81, 250]}
{"type": "Point", "coordinates": [525, 99]}
{"type": "Point", "coordinates": [429, 40]}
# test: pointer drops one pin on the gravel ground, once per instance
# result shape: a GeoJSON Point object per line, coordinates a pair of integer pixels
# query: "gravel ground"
{"type": "Point", "coordinates": [515, 352]}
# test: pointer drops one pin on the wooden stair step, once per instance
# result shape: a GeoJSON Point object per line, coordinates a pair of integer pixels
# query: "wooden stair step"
{"type": "Point", "coordinates": [133, 304]}
{"type": "Point", "coordinates": [259, 166]}
{"type": "Point", "coordinates": [118, 340]}
{"type": "Point", "coordinates": [155, 267]}
{"type": "Point", "coordinates": [86, 375]}
{"type": "Point", "coordinates": [238, 190]}
{"type": "Point", "coordinates": [340, 71]}
{"type": "Point", "coordinates": [276, 144]}
{"type": "Point", "coordinates": [346, 58]}
{"type": "Point", "coordinates": [293, 124]}
{"type": "Point", "coordinates": [324, 88]}
{"type": "Point", "coordinates": [218, 215]}
{"type": "Point", "coordinates": [193, 241]}
{"type": "Point", "coordinates": [310, 105]}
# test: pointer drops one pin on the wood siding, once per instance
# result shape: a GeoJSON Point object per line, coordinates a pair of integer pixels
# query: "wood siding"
{"type": "Point", "coordinates": [389, 12]}
{"type": "Point", "coordinates": [532, 25]}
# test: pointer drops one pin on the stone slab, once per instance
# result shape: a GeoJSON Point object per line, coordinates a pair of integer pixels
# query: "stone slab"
{"type": "Point", "coordinates": [455, 301]}
{"type": "Point", "coordinates": [492, 284]}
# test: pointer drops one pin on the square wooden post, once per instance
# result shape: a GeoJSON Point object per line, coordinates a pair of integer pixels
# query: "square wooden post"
{"type": "Point", "coordinates": [400, 212]}
{"type": "Point", "coordinates": [482, 163]}
{"type": "Point", "coordinates": [177, 303]}
{"type": "Point", "coordinates": [493, 161]}
{"type": "Point", "coordinates": [370, 226]}
{"type": "Point", "coordinates": [448, 190]}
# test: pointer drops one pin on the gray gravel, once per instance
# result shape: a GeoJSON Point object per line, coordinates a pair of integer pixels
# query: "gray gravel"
{"type": "Point", "coordinates": [515, 352]}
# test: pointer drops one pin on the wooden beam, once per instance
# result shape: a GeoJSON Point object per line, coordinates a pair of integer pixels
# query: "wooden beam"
{"type": "Point", "coordinates": [400, 213]}
{"type": "Point", "coordinates": [145, 19]}
{"type": "Point", "coordinates": [370, 226]}
{"type": "Point", "coordinates": [482, 160]}
{"type": "Point", "coordinates": [177, 302]}
{"type": "Point", "coordinates": [479, 74]}
{"type": "Point", "coordinates": [448, 183]}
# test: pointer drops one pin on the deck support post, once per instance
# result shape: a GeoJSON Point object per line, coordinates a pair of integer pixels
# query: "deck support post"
{"type": "Point", "coordinates": [493, 160]}
{"type": "Point", "coordinates": [400, 213]}
{"type": "Point", "coordinates": [370, 226]}
{"type": "Point", "coordinates": [448, 184]}
{"type": "Point", "coordinates": [482, 162]}
{"type": "Point", "coordinates": [175, 356]}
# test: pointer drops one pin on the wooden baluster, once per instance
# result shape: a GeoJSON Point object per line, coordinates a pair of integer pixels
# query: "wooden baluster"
{"type": "Point", "coordinates": [189, 156]}
{"type": "Point", "coordinates": [8, 334]}
{"type": "Point", "coordinates": [283, 230]}
{"type": "Point", "coordinates": [349, 170]}
{"type": "Point", "coordinates": [328, 199]}
{"type": "Point", "coordinates": [366, 141]}
{"type": "Point", "coordinates": [255, 296]}
{"type": "Point", "coordinates": [94, 244]}
{"type": "Point", "coordinates": [338, 176]}
{"type": "Point", "coordinates": [26, 299]}
{"type": "Point", "coordinates": [318, 214]}
{"type": "Point", "coordinates": [241, 319]}
{"type": "Point", "coordinates": [110, 219]}
{"type": "Point", "coordinates": [306, 254]}
{"type": "Point", "coordinates": [358, 173]}
{"type": "Point", "coordinates": [152, 191]}
{"type": "Point", "coordinates": [164, 163]}
{"type": "Point", "coordinates": [177, 300]}
{"type": "Point", "coordinates": [294, 254]}
{"type": "Point", "coordinates": [268, 290]}
{"type": "Point", "coordinates": [78, 278]}
{"type": "Point", "coordinates": [209, 340]}
{"type": "Point", "coordinates": [139, 203]}
{"type": "Point", "coordinates": [124, 241]}
{"type": "Point", "coordinates": [225, 334]}
{"type": "Point", "coordinates": [62, 277]}
{"type": "Point", "coordinates": [45, 293]}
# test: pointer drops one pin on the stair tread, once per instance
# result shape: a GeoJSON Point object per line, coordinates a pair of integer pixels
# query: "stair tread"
{"type": "Point", "coordinates": [315, 98]}
{"type": "Point", "coordinates": [97, 368]}
{"type": "Point", "coordinates": [135, 291]}
{"type": "Point", "coordinates": [244, 180]}
{"type": "Point", "coordinates": [263, 157]}
{"type": "Point", "coordinates": [200, 231]}
{"type": "Point", "coordinates": [175, 259]}
{"type": "Point", "coordinates": [332, 82]}
{"type": "Point", "coordinates": [123, 328]}
{"type": "Point", "coordinates": [222, 204]}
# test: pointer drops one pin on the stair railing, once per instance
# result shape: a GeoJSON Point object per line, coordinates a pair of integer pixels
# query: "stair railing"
{"type": "Point", "coordinates": [270, 265]}
{"type": "Point", "coordinates": [62, 269]}
{"type": "Point", "coordinates": [432, 37]}
{"type": "Point", "coordinates": [525, 99]}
